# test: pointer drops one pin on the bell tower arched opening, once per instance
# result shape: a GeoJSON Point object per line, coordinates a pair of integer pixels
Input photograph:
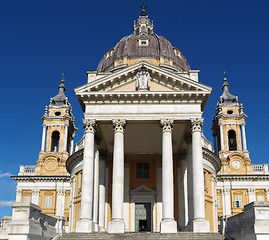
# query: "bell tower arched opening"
{"type": "Point", "coordinates": [55, 137]}
{"type": "Point", "coordinates": [232, 140]}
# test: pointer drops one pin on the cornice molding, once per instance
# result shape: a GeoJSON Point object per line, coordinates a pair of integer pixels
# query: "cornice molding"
{"type": "Point", "coordinates": [238, 178]}
{"type": "Point", "coordinates": [41, 178]}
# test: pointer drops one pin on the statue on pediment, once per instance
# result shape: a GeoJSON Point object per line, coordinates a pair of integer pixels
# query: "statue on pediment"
{"type": "Point", "coordinates": [143, 79]}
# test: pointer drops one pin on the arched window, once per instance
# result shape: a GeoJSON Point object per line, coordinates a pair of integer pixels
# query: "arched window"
{"type": "Point", "coordinates": [55, 137]}
{"type": "Point", "coordinates": [232, 140]}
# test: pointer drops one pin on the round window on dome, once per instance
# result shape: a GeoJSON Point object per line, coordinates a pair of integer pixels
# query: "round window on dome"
{"type": "Point", "coordinates": [230, 111]}
{"type": "Point", "coordinates": [57, 113]}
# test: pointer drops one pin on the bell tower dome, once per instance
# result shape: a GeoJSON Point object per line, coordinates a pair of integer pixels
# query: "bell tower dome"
{"type": "Point", "coordinates": [58, 135]}
{"type": "Point", "coordinates": [229, 133]}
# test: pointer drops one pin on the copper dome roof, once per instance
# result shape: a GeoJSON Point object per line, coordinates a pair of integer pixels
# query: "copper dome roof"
{"type": "Point", "coordinates": [157, 47]}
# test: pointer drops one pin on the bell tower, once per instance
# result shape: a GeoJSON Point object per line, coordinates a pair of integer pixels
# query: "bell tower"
{"type": "Point", "coordinates": [229, 133]}
{"type": "Point", "coordinates": [58, 135]}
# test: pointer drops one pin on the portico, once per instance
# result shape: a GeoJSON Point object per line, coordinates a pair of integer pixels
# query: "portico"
{"type": "Point", "coordinates": [149, 126]}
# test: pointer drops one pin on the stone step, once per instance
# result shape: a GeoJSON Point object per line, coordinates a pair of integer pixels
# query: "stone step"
{"type": "Point", "coordinates": [142, 236]}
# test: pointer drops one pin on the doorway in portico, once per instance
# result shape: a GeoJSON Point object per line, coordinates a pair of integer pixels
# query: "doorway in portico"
{"type": "Point", "coordinates": [143, 216]}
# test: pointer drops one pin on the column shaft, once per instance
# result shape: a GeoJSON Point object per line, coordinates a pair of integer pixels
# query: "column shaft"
{"type": "Point", "coordinates": [182, 196]}
{"type": "Point", "coordinates": [168, 224]}
{"type": "Point", "coordinates": [117, 222]}
{"type": "Point", "coordinates": [102, 194]}
{"type": "Point", "coordinates": [189, 179]}
{"type": "Point", "coordinates": [85, 222]}
{"type": "Point", "coordinates": [96, 191]}
{"type": "Point", "coordinates": [199, 223]}
{"type": "Point", "coordinates": [43, 138]}
{"type": "Point", "coordinates": [244, 136]}
{"type": "Point", "coordinates": [65, 137]}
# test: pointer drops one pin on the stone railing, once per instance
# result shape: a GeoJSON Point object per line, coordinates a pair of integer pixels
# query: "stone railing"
{"type": "Point", "coordinates": [80, 144]}
{"type": "Point", "coordinates": [260, 168]}
{"type": "Point", "coordinates": [27, 170]}
{"type": "Point", "coordinates": [28, 222]}
{"type": "Point", "coordinates": [206, 144]}
{"type": "Point", "coordinates": [3, 227]}
{"type": "Point", "coordinates": [252, 223]}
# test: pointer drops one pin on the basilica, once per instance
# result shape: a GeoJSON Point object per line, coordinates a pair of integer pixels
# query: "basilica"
{"type": "Point", "coordinates": [143, 163]}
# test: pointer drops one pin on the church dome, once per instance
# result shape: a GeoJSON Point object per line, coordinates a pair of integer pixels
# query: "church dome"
{"type": "Point", "coordinates": [143, 45]}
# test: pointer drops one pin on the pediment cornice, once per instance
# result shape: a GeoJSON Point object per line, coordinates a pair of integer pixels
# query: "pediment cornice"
{"type": "Point", "coordinates": [182, 89]}
{"type": "Point", "coordinates": [175, 81]}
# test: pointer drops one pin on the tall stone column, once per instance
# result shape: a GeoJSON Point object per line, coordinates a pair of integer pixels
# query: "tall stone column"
{"type": "Point", "coordinates": [35, 196]}
{"type": "Point", "coordinates": [85, 222]}
{"type": "Point", "coordinates": [96, 190]}
{"type": "Point", "coordinates": [189, 177]}
{"type": "Point", "coordinates": [199, 223]}
{"type": "Point", "coordinates": [221, 136]}
{"type": "Point", "coordinates": [168, 223]}
{"type": "Point", "coordinates": [60, 202]}
{"type": "Point", "coordinates": [43, 138]}
{"type": "Point", "coordinates": [102, 194]}
{"type": "Point", "coordinates": [182, 191]}
{"type": "Point", "coordinates": [243, 129]}
{"type": "Point", "coordinates": [71, 211]}
{"type": "Point", "coordinates": [116, 224]}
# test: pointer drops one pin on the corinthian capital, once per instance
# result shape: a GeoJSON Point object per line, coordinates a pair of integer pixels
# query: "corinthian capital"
{"type": "Point", "coordinates": [196, 124]}
{"type": "Point", "coordinates": [90, 125]}
{"type": "Point", "coordinates": [167, 125]}
{"type": "Point", "coordinates": [119, 125]}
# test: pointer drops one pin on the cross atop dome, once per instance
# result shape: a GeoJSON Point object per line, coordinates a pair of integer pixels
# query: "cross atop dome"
{"type": "Point", "coordinates": [143, 25]}
{"type": "Point", "coordinates": [143, 6]}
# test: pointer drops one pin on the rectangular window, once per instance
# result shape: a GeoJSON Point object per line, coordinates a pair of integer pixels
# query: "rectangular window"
{"type": "Point", "coordinates": [238, 202]}
{"type": "Point", "coordinates": [142, 170]}
{"type": "Point", "coordinates": [260, 198]}
{"type": "Point", "coordinates": [26, 199]}
{"type": "Point", "coordinates": [48, 201]}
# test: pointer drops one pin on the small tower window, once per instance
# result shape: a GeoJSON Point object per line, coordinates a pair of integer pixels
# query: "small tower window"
{"type": "Point", "coordinates": [55, 137]}
{"type": "Point", "coordinates": [232, 140]}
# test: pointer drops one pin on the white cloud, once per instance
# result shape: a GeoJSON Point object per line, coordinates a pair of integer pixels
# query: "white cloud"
{"type": "Point", "coordinates": [5, 203]}
{"type": "Point", "coordinates": [5, 175]}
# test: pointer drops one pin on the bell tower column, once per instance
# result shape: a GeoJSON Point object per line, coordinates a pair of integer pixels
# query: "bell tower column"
{"type": "Point", "coordinates": [116, 224]}
{"type": "Point", "coordinates": [168, 223]}
{"type": "Point", "coordinates": [85, 223]}
{"type": "Point", "coordinates": [198, 223]}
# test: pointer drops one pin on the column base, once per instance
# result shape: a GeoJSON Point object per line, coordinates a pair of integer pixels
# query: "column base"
{"type": "Point", "coordinates": [198, 225]}
{"type": "Point", "coordinates": [102, 229]}
{"type": "Point", "coordinates": [95, 227]}
{"type": "Point", "coordinates": [168, 226]}
{"type": "Point", "coordinates": [84, 225]}
{"type": "Point", "coordinates": [116, 226]}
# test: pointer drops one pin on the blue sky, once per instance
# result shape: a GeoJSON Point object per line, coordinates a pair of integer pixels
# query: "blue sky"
{"type": "Point", "coordinates": [41, 39]}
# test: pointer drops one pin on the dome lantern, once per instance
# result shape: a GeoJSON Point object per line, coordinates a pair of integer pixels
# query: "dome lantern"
{"type": "Point", "coordinates": [143, 24]}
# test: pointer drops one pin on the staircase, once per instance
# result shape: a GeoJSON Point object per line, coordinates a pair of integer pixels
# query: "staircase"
{"type": "Point", "coordinates": [142, 236]}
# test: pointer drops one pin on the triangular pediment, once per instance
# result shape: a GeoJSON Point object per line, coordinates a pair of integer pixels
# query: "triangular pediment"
{"type": "Point", "coordinates": [161, 80]}
{"type": "Point", "coordinates": [143, 190]}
